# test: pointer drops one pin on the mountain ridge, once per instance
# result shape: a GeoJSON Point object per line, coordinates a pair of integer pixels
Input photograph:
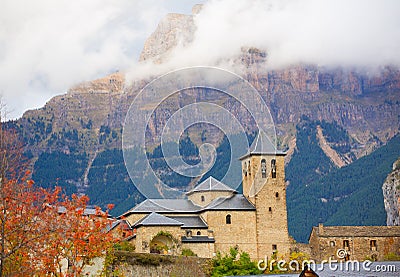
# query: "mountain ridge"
{"type": "Point", "coordinates": [86, 123]}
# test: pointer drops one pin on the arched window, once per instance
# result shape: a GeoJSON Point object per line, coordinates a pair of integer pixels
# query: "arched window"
{"type": "Point", "coordinates": [276, 194]}
{"type": "Point", "coordinates": [249, 169]}
{"type": "Point", "coordinates": [228, 219]}
{"type": "Point", "coordinates": [273, 168]}
{"type": "Point", "coordinates": [202, 198]}
{"type": "Point", "coordinates": [263, 168]}
{"type": "Point", "coordinates": [198, 233]}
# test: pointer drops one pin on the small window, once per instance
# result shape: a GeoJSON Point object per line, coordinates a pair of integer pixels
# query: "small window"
{"type": "Point", "coordinates": [273, 168]}
{"type": "Point", "coordinates": [372, 245]}
{"type": "Point", "coordinates": [198, 233]}
{"type": "Point", "coordinates": [263, 168]}
{"type": "Point", "coordinates": [332, 243]}
{"type": "Point", "coordinates": [270, 209]}
{"type": "Point", "coordinates": [245, 169]}
{"type": "Point", "coordinates": [188, 233]}
{"type": "Point", "coordinates": [228, 219]}
{"type": "Point", "coordinates": [277, 194]}
{"type": "Point", "coordinates": [346, 244]}
{"type": "Point", "coordinates": [249, 169]}
{"type": "Point", "coordinates": [274, 247]}
{"type": "Point", "coordinates": [202, 198]}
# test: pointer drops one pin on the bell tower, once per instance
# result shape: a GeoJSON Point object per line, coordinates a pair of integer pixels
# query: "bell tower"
{"type": "Point", "coordinates": [263, 179]}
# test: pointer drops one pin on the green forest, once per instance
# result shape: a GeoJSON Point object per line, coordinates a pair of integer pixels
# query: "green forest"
{"type": "Point", "coordinates": [318, 191]}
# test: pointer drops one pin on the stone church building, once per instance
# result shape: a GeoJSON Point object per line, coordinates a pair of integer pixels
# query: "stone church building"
{"type": "Point", "coordinates": [214, 217]}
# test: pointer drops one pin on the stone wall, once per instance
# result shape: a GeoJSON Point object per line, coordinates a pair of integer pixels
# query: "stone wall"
{"type": "Point", "coordinates": [209, 196]}
{"type": "Point", "coordinates": [272, 228]}
{"type": "Point", "coordinates": [268, 194]}
{"type": "Point", "coordinates": [204, 250]}
{"type": "Point", "coordinates": [144, 237]}
{"type": "Point", "coordinates": [241, 231]}
{"type": "Point", "coordinates": [153, 265]}
{"type": "Point", "coordinates": [359, 246]}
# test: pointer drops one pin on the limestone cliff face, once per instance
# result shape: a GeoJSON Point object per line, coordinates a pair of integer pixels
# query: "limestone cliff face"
{"type": "Point", "coordinates": [391, 195]}
{"type": "Point", "coordinates": [90, 116]}
{"type": "Point", "coordinates": [113, 83]}
{"type": "Point", "coordinates": [173, 30]}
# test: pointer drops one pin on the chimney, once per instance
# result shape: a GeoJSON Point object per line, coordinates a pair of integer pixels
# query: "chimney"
{"type": "Point", "coordinates": [320, 229]}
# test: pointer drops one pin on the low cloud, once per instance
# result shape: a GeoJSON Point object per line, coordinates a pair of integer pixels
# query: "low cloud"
{"type": "Point", "coordinates": [355, 33]}
{"type": "Point", "coordinates": [47, 46]}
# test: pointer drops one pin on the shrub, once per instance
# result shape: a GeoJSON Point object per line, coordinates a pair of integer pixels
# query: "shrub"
{"type": "Point", "coordinates": [188, 252]}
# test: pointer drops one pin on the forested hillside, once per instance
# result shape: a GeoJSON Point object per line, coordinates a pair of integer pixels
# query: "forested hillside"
{"type": "Point", "coordinates": [351, 195]}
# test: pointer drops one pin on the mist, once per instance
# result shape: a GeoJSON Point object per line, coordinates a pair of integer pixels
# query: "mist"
{"type": "Point", "coordinates": [46, 47]}
{"type": "Point", "coordinates": [356, 33]}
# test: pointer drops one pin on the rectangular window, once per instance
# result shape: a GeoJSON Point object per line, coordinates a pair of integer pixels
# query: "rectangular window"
{"type": "Point", "coordinates": [346, 244]}
{"type": "Point", "coordinates": [372, 245]}
{"type": "Point", "coordinates": [274, 247]}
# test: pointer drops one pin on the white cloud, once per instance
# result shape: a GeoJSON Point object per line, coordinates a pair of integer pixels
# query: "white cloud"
{"type": "Point", "coordinates": [47, 46]}
{"type": "Point", "coordinates": [359, 33]}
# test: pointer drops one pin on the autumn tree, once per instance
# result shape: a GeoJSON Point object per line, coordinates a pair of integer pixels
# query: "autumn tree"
{"type": "Point", "coordinates": [21, 207]}
{"type": "Point", "coordinates": [40, 228]}
{"type": "Point", "coordinates": [79, 235]}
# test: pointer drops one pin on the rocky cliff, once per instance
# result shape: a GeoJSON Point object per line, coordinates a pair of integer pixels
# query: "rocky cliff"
{"type": "Point", "coordinates": [89, 118]}
{"type": "Point", "coordinates": [391, 195]}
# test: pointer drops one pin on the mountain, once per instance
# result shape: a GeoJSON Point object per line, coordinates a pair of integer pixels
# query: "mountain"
{"type": "Point", "coordinates": [346, 113]}
{"type": "Point", "coordinates": [350, 195]}
{"type": "Point", "coordinates": [391, 195]}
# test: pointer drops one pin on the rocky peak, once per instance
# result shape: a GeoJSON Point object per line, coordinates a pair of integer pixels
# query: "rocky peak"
{"type": "Point", "coordinates": [175, 29]}
{"type": "Point", "coordinates": [113, 83]}
{"type": "Point", "coordinates": [391, 195]}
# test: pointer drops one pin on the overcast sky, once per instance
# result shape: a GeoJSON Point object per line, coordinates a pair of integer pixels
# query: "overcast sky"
{"type": "Point", "coordinates": [46, 46]}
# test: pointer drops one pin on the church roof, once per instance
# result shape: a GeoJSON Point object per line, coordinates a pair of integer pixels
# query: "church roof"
{"type": "Point", "coordinates": [155, 219]}
{"type": "Point", "coordinates": [165, 205]}
{"type": "Point", "coordinates": [262, 144]}
{"type": "Point", "coordinates": [235, 202]}
{"type": "Point", "coordinates": [185, 206]}
{"type": "Point", "coordinates": [190, 221]}
{"type": "Point", "coordinates": [211, 184]}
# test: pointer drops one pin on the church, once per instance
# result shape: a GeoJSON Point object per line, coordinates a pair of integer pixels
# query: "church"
{"type": "Point", "coordinates": [214, 217]}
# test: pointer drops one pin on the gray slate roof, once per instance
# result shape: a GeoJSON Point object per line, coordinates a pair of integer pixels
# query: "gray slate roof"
{"type": "Point", "coordinates": [211, 184]}
{"type": "Point", "coordinates": [190, 221]}
{"type": "Point", "coordinates": [185, 206]}
{"type": "Point", "coordinates": [155, 219]}
{"type": "Point", "coordinates": [262, 145]}
{"type": "Point", "coordinates": [166, 205]}
{"type": "Point", "coordinates": [235, 202]}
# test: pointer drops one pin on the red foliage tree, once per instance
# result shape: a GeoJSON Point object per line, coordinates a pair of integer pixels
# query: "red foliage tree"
{"type": "Point", "coordinates": [78, 236]}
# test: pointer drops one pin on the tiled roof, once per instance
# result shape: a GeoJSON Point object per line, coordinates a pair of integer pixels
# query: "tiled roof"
{"type": "Point", "coordinates": [211, 184]}
{"type": "Point", "coordinates": [235, 202]}
{"type": "Point", "coordinates": [190, 221]}
{"type": "Point", "coordinates": [197, 239]}
{"type": "Point", "coordinates": [87, 211]}
{"type": "Point", "coordinates": [262, 145]}
{"type": "Point", "coordinates": [165, 205]}
{"type": "Point", "coordinates": [359, 231]}
{"type": "Point", "coordinates": [155, 219]}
